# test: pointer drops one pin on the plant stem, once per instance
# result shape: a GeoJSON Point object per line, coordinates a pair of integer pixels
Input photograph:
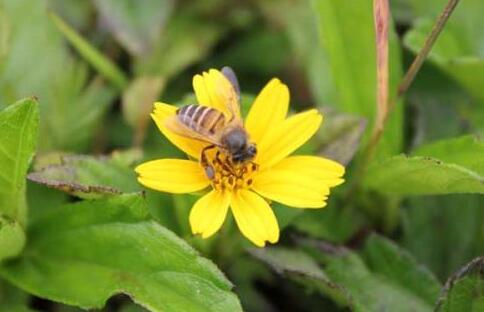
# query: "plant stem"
{"type": "Point", "coordinates": [429, 42]}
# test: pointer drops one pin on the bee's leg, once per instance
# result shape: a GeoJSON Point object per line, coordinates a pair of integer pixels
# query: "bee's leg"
{"type": "Point", "coordinates": [209, 170]}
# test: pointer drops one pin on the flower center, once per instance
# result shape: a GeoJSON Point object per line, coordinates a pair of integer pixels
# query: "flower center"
{"type": "Point", "coordinates": [230, 176]}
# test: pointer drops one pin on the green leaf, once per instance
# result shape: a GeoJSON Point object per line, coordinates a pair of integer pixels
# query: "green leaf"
{"type": "Point", "coordinates": [83, 253]}
{"type": "Point", "coordinates": [301, 268]}
{"type": "Point", "coordinates": [443, 167]}
{"type": "Point", "coordinates": [88, 176]}
{"type": "Point", "coordinates": [137, 26]}
{"type": "Point", "coordinates": [18, 139]}
{"type": "Point", "coordinates": [404, 175]}
{"type": "Point", "coordinates": [387, 259]}
{"type": "Point", "coordinates": [464, 291]}
{"type": "Point", "coordinates": [102, 64]}
{"type": "Point", "coordinates": [467, 151]}
{"type": "Point", "coordinates": [382, 277]}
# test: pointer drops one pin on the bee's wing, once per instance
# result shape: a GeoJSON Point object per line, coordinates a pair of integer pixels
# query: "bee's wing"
{"type": "Point", "coordinates": [232, 94]}
{"type": "Point", "coordinates": [174, 125]}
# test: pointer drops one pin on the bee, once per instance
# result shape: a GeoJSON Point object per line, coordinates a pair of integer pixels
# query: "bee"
{"type": "Point", "coordinates": [212, 126]}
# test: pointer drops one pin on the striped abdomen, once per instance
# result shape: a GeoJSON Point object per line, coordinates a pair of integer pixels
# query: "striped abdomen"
{"type": "Point", "coordinates": [202, 119]}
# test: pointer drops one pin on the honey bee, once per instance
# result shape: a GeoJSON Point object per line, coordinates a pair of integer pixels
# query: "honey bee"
{"type": "Point", "coordinates": [212, 126]}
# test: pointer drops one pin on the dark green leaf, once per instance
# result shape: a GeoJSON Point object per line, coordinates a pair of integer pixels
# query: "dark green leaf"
{"type": "Point", "coordinates": [384, 277]}
{"type": "Point", "coordinates": [464, 291]}
{"type": "Point", "coordinates": [83, 253]}
{"type": "Point", "coordinates": [303, 269]}
{"type": "Point", "coordinates": [418, 175]}
{"type": "Point", "coordinates": [433, 230]}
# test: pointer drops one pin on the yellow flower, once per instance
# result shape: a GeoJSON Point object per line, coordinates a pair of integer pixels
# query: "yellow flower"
{"type": "Point", "coordinates": [296, 181]}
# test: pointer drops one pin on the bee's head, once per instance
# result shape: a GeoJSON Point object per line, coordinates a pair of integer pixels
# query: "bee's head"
{"type": "Point", "coordinates": [237, 144]}
{"type": "Point", "coordinates": [246, 153]}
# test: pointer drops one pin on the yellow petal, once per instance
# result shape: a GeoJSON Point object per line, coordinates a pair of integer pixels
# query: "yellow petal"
{"type": "Point", "coordinates": [287, 137]}
{"type": "Point", "coordinates": [254, 217]}
{"type": "Point", "coordinates": [211, 89]}
{"type": "Point", "coordinates": [172, 175]}
{"type": "Point", "coordinates": [269, 110]}
{"type": "Point", "coordinates": [209, 212]}
{"type": "Point", "coordinates": [299, 181]}
{"type": "Point", "coordinates": [189, 146]}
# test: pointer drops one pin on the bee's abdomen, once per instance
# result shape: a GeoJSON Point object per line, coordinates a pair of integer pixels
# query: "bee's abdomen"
{"type": "Point", "coordinates": [202, 119]}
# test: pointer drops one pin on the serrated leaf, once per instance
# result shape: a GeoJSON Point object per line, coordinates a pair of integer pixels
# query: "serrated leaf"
{"type": "Point", "coordinates": [83, 253]}
{"type": "Point", "coordinates": [404, 175]}
{"type": "Point", "coordinates": [464, 291]}
{"type": "Point", "coordinates": [88, 176]}
{"type": "Point", "coordinates": [383, 277]}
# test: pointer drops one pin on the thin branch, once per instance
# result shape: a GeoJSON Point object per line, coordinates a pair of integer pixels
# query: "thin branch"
{"type": "Point", "coordinates": [429, 42]}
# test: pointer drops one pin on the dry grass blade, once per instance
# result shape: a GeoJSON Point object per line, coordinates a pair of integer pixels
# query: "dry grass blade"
{"type": "Point", "coordinates": [381, 13]}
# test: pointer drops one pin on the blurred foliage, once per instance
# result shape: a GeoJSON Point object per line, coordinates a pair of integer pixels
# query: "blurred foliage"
{"type": "Point", "coordinates": [84, 233]}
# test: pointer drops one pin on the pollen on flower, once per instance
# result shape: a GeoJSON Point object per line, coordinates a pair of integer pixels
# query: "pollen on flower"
{"type": "Point", "coordinates": [230, 176]}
